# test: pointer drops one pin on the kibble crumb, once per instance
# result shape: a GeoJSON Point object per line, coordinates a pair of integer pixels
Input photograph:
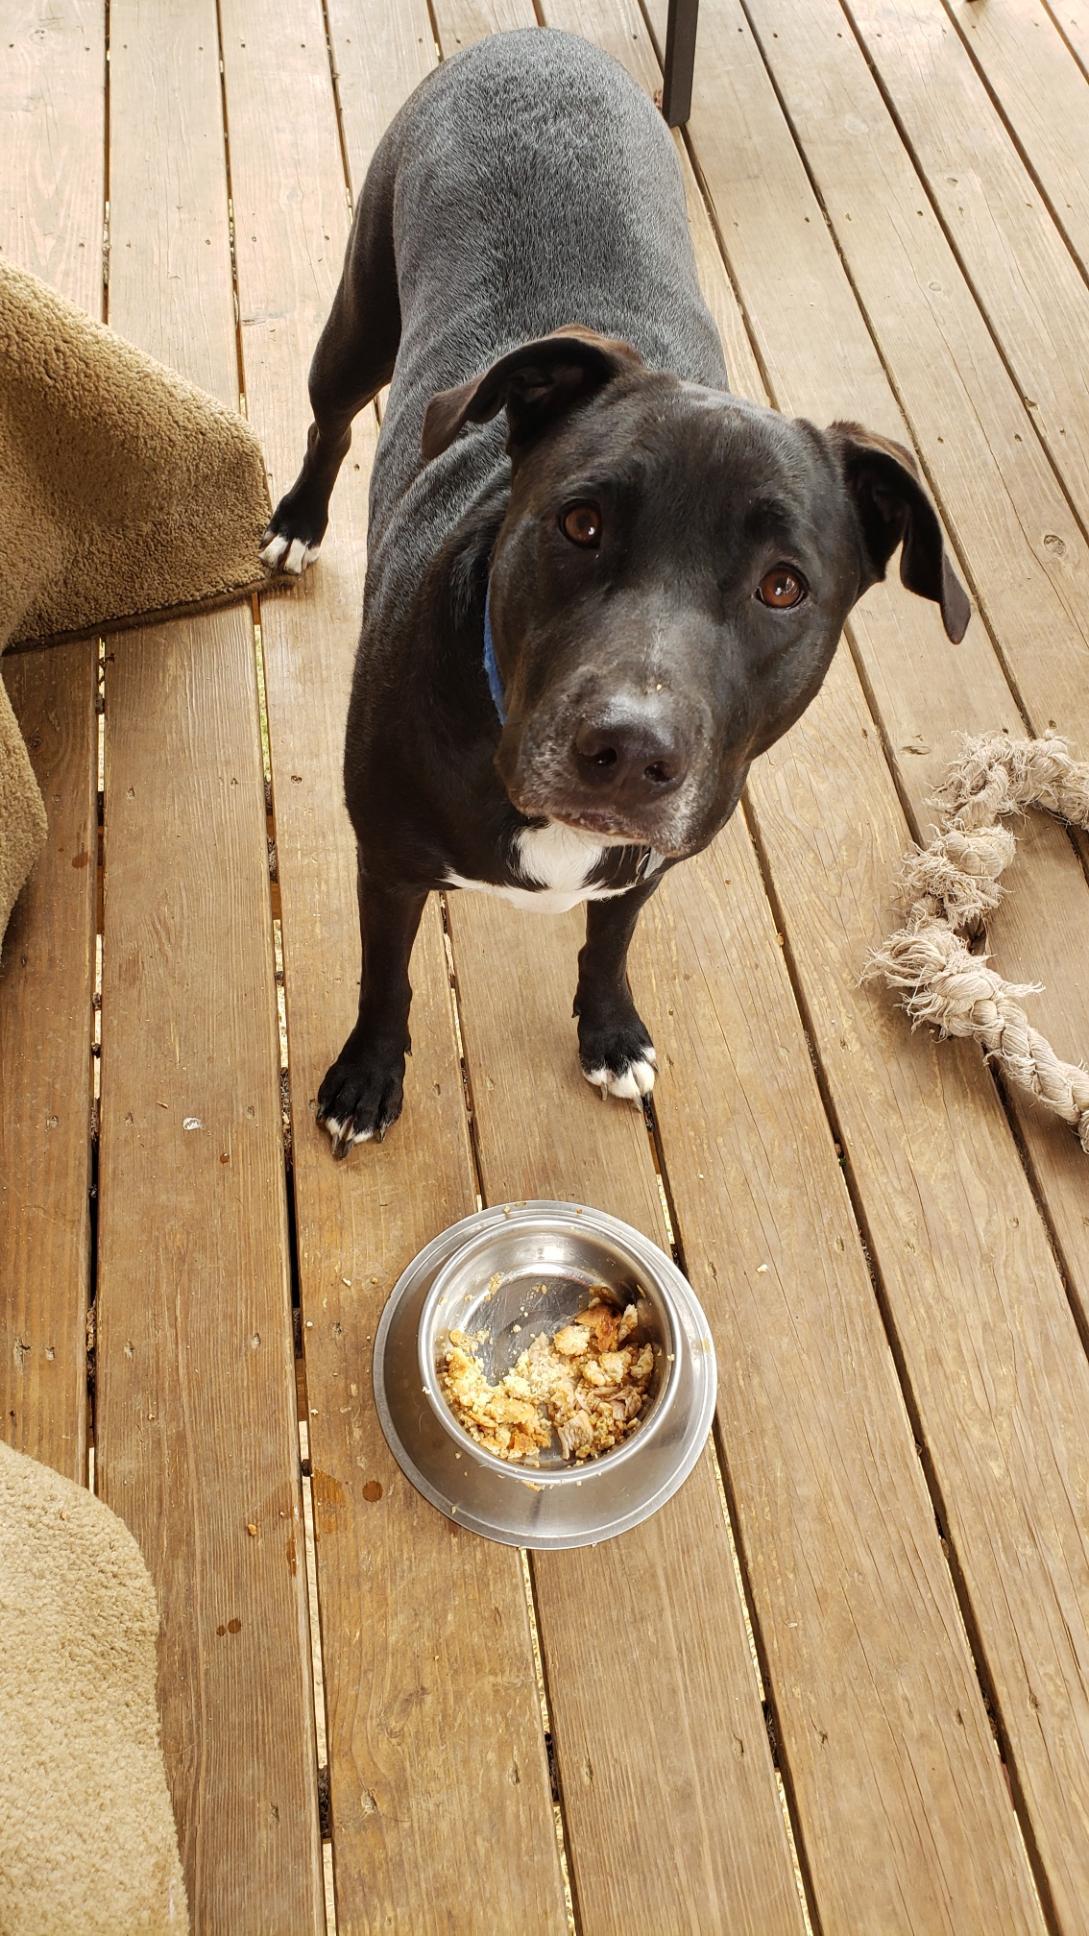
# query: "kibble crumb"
{"type": "Point", "coordinates": [588, 1383]}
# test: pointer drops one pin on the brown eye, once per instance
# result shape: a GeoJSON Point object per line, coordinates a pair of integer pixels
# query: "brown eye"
{"type": "Point", "coordinates": [582, 524]}
{"type": "Point", "coordinates": [781, 588]}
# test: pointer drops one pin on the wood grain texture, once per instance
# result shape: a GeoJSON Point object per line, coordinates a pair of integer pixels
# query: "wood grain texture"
{"type": "Point", "coordinates": [461, 22]}
{"type": "Point", "coordinates": [380, 54]}
{"type": "Point", "coordinates": [1024, 278]}
{"type": "Point", "coordinates": [196, 1399]}
{"type": "Point", "coordinates": [440, 1796]}
{"type": "Point", "coordinates": [1007, 1434]}
{"type": "Point", "coordinates": [1072, 19]}
{"type": "Point", "coordinates": [1042, 92]}
{"type": "Point", "coordinates": [52, 143]}
{"type": "Point", "coordinates": [52, 66]}
{"type": "Point", "coordinates": [197, 1442]}
{"type": "Point", "coordinates": [991, 1353]}
{"type": "Point", "coordinates": [46, 991]}
{"type": "Point", "coordinates": [904, 1810]}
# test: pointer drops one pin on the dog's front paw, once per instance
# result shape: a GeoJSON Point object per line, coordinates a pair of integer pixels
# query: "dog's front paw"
{"type": "Point", "coordinates": [619, 1061]}
{"type": "Point", "coordinates": [292, 538]}
{"type": "Point", "coordinates": [361, 1096]}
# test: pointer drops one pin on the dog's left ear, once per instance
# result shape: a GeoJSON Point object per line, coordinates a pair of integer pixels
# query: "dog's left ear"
{"type": "Point", "coordinates": [537, 383]}
{"type": "Point", "coordinates": [892, 507]}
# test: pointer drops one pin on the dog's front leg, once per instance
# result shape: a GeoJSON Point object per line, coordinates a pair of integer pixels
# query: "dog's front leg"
{"type": "Point", "coordinates": [615, 1050]}
{"type": "Point", "coordinates": [362, 1093]}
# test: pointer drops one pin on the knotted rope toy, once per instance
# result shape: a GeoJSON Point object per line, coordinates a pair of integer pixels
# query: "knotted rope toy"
{"type": "Point", "coordinates": [951, 887]}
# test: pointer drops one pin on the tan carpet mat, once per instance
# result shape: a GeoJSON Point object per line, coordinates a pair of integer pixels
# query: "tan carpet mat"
{"type": "Point", "coordinates": [87, 1839]}
{"type": "Point", "coordinates": [125, 494]}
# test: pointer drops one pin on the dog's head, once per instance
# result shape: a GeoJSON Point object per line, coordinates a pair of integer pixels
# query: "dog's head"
{"type": "Point", "coordinates": [670, 580]}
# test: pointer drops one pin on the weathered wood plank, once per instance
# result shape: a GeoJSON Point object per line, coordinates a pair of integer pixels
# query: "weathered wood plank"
{"type": "Point", "coordinates": [1020, 269]}
{"type": "Point", "coordinates": [440, 1797]}
{"type": "Point", "coordinates": [962, 1256]}
{"type": "Point", "coordinates": [196, 1399]}
{"type": "Point", "coordinates": [197, 1442]}
{"type": "Point", "coordinates": [464, 21]}
{"type": "Point", "coordinates": [1010, 1452]}
{"type": "Point", "coordinates": [1016, 530]}
{"type": "Point", "coordinates": [51, 207]}
{"type": "Point", "coordinates": [46, 991]}
{"type": "Point", "coordinates": [1072, 17]}
{"type": "Point", "coordinates": [904, 1811]}
{"type": "Point", "coordinates": [1042, 93]}
{"type": "Point", "coordinates": [52, 142]}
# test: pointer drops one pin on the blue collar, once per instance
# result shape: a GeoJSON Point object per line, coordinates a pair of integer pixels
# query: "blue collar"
{"type": "Point", "coordinates": [491, 668]}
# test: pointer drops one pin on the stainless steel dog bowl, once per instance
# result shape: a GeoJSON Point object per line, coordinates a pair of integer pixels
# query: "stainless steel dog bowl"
{"type": "Point", "coordinates": [486, 1274]}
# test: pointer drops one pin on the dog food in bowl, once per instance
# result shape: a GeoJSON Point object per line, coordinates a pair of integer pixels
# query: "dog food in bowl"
{"type": "Point", "coordinates": [516, 1281]}
{"type": "Point", "coordinates": [587, 1383]}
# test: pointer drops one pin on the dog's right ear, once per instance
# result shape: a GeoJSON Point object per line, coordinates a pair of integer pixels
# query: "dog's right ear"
{"type": "Point", "coordinates": [537, 383]}
{"type": "Point", "coordinates": [891, 508]}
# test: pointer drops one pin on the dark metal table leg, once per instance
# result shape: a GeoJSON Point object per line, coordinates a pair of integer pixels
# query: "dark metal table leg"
{"type": "Point", "coordinates": [680, 57]}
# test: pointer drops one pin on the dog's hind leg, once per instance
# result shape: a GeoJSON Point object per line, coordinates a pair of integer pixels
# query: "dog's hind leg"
{"type": "Point", "coordinates": [353, 360]}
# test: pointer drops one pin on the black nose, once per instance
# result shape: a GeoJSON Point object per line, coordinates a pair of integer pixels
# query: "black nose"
{"type": "Point", "coordinates": [631, 753]}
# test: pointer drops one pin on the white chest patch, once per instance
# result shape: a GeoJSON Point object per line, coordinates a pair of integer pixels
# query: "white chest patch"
{"type": "Point", "coordinates": [559, 863]}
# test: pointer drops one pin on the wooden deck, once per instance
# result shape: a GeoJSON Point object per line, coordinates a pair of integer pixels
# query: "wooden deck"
{"type": "Point", "coordinates": [842, 1681]}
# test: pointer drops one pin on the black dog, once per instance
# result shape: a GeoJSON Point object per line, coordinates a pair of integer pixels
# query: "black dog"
{"type": "Point", "coordinates": [583, 623]}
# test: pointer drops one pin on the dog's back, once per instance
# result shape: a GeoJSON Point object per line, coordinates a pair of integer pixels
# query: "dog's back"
{"type": "Point", "coordinates": [530, 184]}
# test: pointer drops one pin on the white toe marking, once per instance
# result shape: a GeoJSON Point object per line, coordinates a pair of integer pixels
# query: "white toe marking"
{"type": "Point", "coordinates": [337, 1128]}
{"type": "Point", "coordinates": [636, 1081]}
{"type": "Point", "coordinates": [292, 555]}
{"type": "Point", "coordinates": [644, 1073]}
{"type": "Point", "coordinates": [273, 551]}
{"type": "Point", "coordinates": [625, 1087]}
{"type": "Point", "coordinates": [300, 556]}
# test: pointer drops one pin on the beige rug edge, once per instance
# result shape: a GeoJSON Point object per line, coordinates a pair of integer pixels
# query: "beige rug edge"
{"type": "Point", "coordinates": [23, 824]}
{"type": "Point", "coordinates": [130, 496]}
{"type": "Point", "coordinates": [88, 1845]}
{"type": "Point", "coordinates": [120, 622]}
